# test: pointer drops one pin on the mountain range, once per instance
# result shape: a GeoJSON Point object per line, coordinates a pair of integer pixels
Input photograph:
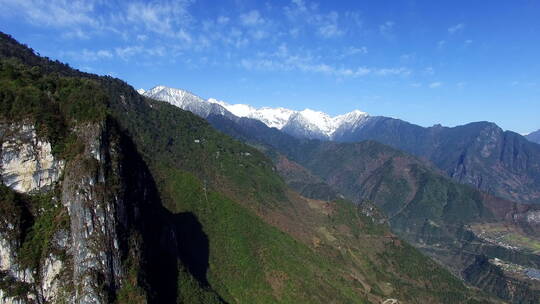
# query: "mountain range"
{"type": "Point", "coordinates": [306, 124]}
{"type": "Point", "coordinates": [481, 154]}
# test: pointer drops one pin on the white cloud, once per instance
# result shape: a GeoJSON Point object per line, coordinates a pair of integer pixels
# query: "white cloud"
{"type": "Point", "coordinates": [183, 35]}
{"type": "Point", "coordinates": [104, 54]}
{"type": "Point", "coordinates": [330, 30]}
{"type": "Point", "coordinates": [386, 29]}
{"type": "Point", "coordinates": [76, 33]}
{"type": "Point", "coordinates": [283, 60]}
{"type": "Point", "coordinates": [325, 25]}
{"type": "Point", "coordinates": [328, 25]}
{"type": "Point", "coordinates": [299, 6]}
{"type": "Point", "coordinates": [166, 17]}
{"type": "Point", "coordinates": [127, 52]}
{"type": "Point", "coordinates": [166, 27]}
{"type": "Point", "coordinates": [441, 44]}
{"type": "Point", "coordinates": [434, 85]}
{"type": "Point", "coordinates": [89, 55]}
{"type": "Point", "coordinates": [56, 13]}
{"type": "Point", "coordinates": [259, 34]}
{"type": "Point", "coordinates": [456, 28]}
{"type": "Point", "coordinates": [392, 72]}
{"type": "Point", "coordinates": [429, 71]}
{"type": "Point", "coordinates": [351, 51]}
{"type": "Point", "coordinates": [223, 20]}
{"type": "Point", "coordinates": [251, 18]}
{"type": "Point", "coordinates": [294, 32]}
{"type": "Point", "coordinates": [407, 57]}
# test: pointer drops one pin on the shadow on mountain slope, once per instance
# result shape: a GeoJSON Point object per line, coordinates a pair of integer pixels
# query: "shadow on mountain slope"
{"type": "Point", "coordinates": [172, 242]}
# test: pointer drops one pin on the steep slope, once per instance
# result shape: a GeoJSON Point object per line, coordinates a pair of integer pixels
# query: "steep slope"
{"type": "Point", "coordinates": [138, 201]}
{"type": "Point", "coordinates": [534, 137]}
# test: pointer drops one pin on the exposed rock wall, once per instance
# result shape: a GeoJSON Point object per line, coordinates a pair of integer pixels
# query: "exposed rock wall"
{"type": "Point", "coordinates": [92, 211]}
{"type": "Point", "coordinates": [84, 261]}
{"type": "Point", "coordinates": [27, 163]}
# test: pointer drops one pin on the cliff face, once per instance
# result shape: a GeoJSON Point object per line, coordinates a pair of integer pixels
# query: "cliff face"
{"type": "Point", "coordinates": [66, 245]}
{"type": "Point", "coordinates": [93, 211]}
{"type": "Point", "coordinates": [27, 166]}
{"type": "Point", "coordinates": [27, 162]}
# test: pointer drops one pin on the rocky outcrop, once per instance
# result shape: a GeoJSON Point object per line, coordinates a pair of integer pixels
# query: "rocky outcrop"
{"type": "Point", "coordinates": [27, 163]}
{"type": "Point", "coordinates": [92, 212]}
{"type": "Point", "coordinates": [82, 261]}
{"type": "Point", "coordinates": [11, 273]}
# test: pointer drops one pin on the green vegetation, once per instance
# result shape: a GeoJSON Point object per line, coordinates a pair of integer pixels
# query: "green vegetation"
{"type": "Point", "coordinates": [36, 219]}
{"type": "Point", "coordinates": [131, 292]}
{"type": "Point", "coordinates": [12, 287]}
{"type": "Point", "coordinates": [250, 261]}
{"type": "Point", "coordinates": [54, 104]}
{"type": "Point", "coordinates": [50, 217]}
{"type": "Point", "coordinates": [191, 291]}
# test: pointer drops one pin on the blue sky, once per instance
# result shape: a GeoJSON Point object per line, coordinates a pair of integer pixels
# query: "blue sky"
{"type": "Point", "coordinates": [427, 62]}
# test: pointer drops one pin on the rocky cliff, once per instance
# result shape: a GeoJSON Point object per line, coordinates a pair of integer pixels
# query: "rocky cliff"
{"type": "Point", "coordinates": [74, 231]}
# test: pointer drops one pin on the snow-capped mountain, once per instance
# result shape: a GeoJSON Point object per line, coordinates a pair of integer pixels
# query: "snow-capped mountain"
{"type": "Point", "coordinates": [186, 101]}
{"type": "Point", "coordinates": [304, 124]}
{"type": "Point", "coordinates": [272, 117]}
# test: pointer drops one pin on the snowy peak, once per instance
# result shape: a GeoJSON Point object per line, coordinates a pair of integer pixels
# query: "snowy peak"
{"type": "Point", "coordinates": [186, 101]}
{"type": "Point", "coordinates": [272, 117]}
{"type": "Point", "coordinates": [306, 123]}
{"type": "Point", "coordinates": [176, 97]}
{"type": "Point", "coordinates": [315, 124]}
{"type": "Point", "coordinates": [314, 121]}
{"type": "Point", "coordinates": [350, 120]}
{"type": "Point", "coordinates": [240, 110]}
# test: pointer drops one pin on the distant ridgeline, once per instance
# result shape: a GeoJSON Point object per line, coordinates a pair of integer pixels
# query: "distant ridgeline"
{"type": "Point", "coordinates": [534, 137]}
{"type": "Point", "coordinates": [111, 197]}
